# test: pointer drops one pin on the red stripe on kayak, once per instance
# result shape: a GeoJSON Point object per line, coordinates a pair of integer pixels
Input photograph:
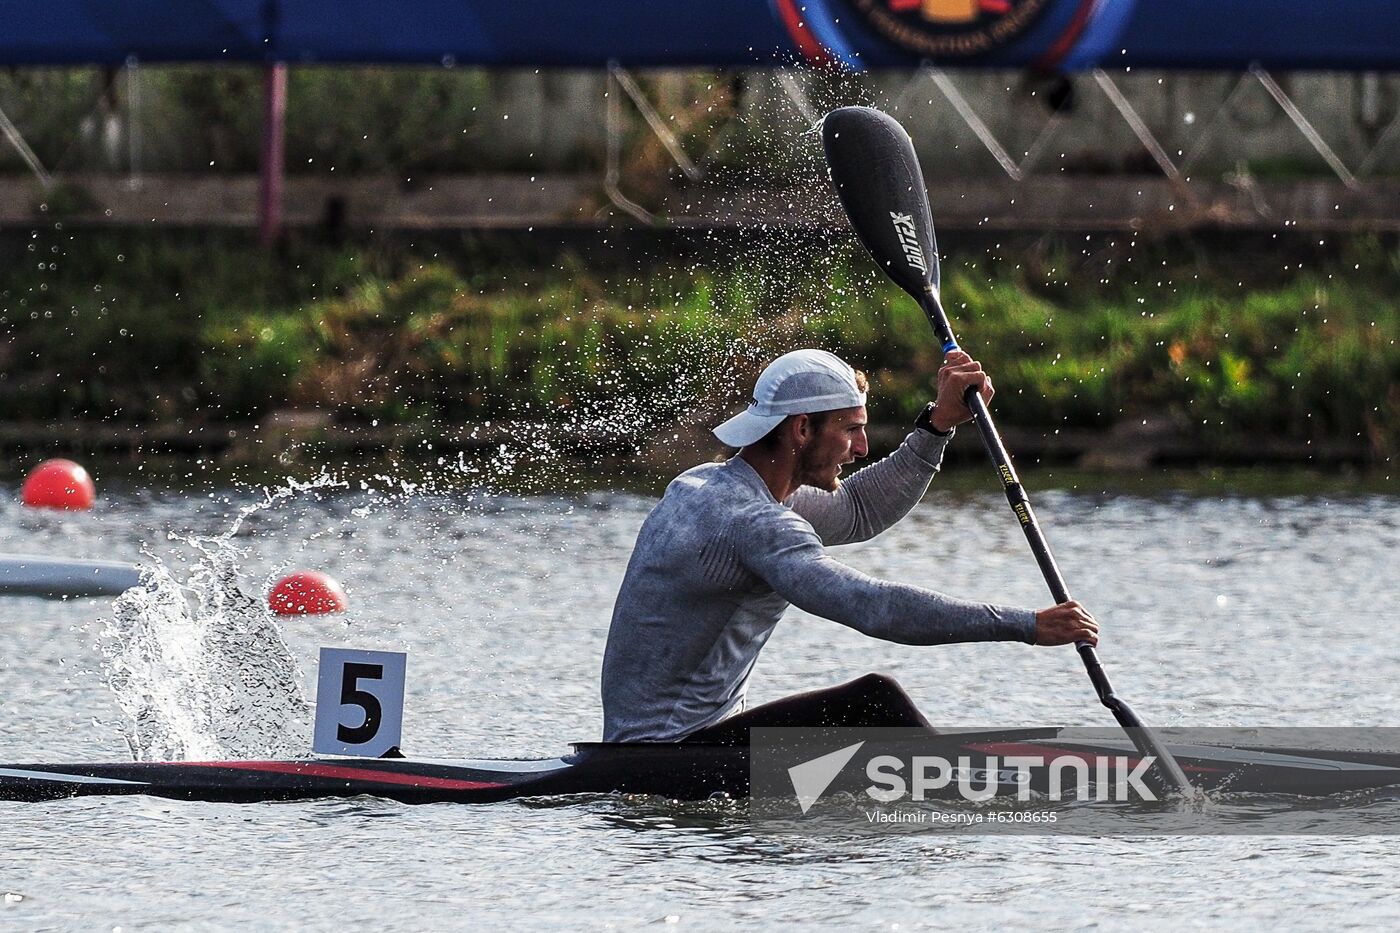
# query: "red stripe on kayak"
{"type": "Point", "coordinates": [310, 769]}
{"type": "Point", "coordinates": [1044, 751]}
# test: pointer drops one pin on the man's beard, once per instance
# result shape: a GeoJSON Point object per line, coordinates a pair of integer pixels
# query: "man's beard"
{"type": "Point", "coordinates": [810, 473]}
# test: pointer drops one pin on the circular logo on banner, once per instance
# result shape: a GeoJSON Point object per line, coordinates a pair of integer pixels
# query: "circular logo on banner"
{"type": "Point", "coordinates": [950, 28]}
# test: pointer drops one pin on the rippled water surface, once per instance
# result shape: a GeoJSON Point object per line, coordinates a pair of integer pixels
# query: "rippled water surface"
{"type": "Point", "coordinates": [1233, 610]}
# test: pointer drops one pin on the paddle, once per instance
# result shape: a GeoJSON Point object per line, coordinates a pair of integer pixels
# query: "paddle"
{"type": "Point", "coordinates": [877, 176]}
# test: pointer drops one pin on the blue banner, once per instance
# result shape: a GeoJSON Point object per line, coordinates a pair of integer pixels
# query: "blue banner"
{"type": "Point", "coordinates": [1064, 35]}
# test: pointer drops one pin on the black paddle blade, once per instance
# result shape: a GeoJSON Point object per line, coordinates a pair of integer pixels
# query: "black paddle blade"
{"type": "Point", "coordinates": [877, 176]}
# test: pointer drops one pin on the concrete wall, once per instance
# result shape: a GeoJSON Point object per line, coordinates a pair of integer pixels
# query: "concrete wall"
{"type": "Point", "coordinates": [459, 120]}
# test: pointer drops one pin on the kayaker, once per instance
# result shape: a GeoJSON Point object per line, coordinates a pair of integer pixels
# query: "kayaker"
{"type": "Point", "coordinates": [732, 544]}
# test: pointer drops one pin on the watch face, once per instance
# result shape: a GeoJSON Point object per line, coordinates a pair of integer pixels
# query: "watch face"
{"type": "Point", "coordinates": [949, 29]}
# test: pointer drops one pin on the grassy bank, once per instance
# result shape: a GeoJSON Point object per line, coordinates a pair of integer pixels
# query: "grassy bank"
{"type": "Point", "coordinates": [204, 327]}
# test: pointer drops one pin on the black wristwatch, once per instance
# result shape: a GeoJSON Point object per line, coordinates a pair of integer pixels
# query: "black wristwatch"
{"type": "Point", "coordinates": [925, 422]}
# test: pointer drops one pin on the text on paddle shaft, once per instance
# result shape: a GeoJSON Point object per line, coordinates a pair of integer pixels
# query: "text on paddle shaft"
{"type": "Point", "coordinates": [909, 239]}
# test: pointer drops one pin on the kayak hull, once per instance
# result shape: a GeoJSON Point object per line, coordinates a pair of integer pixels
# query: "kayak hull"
{"type": "Point", "coordinates": [686, 771]}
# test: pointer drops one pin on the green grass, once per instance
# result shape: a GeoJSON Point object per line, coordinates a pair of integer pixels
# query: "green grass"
{"type": "Point", "coordinates": [135, 327]}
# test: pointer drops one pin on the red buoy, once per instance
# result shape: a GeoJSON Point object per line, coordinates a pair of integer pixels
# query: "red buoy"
{"type": "Point", "coordinates": [58, 484]}
{"type": "Point", "coordinates": [306, 592]}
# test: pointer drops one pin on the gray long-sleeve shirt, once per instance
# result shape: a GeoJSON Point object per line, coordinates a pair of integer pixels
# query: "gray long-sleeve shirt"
{"type": "Point", "coordinates": [718, 561]}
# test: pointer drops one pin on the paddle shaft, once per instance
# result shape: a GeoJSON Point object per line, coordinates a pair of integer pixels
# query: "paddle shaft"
{"type": "Point", "coordinates": [1143, 739]}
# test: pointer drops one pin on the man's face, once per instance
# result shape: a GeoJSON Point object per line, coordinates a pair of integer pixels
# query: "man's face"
{"type": "Point", "coordinates": [840, 440]}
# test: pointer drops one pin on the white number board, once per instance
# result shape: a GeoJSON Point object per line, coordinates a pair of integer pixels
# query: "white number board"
{"type": "Point", "coordinates": [359, 702]}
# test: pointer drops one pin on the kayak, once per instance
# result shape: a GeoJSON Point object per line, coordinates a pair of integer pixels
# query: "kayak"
{"type": "Point", "coordinates": [684, 770]}
{"type": "Point", "coordinates": [673, 770]}
{"type": "Point", "coordinates": [62, 577]}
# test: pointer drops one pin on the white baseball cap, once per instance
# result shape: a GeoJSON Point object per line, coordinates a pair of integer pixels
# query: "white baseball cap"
{"type": "Point", "coordinates": [798, 383]}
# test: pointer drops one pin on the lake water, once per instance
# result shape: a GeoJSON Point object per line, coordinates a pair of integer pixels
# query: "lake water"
{"type": "Point", "coordinates": [1217, 610]}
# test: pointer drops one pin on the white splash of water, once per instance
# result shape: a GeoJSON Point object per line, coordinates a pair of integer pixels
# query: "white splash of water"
{"type": "Point", "coordinates": [201, 668]}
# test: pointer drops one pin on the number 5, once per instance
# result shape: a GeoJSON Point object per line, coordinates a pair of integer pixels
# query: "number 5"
{"type": "Point", "coordinates": [359, 702]}
{"type": "Point", "coordinates": [352, 695]}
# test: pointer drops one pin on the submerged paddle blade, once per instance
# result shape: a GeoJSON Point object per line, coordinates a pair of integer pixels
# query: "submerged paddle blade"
{"type": "Point", "coordinates": [877, 176]}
